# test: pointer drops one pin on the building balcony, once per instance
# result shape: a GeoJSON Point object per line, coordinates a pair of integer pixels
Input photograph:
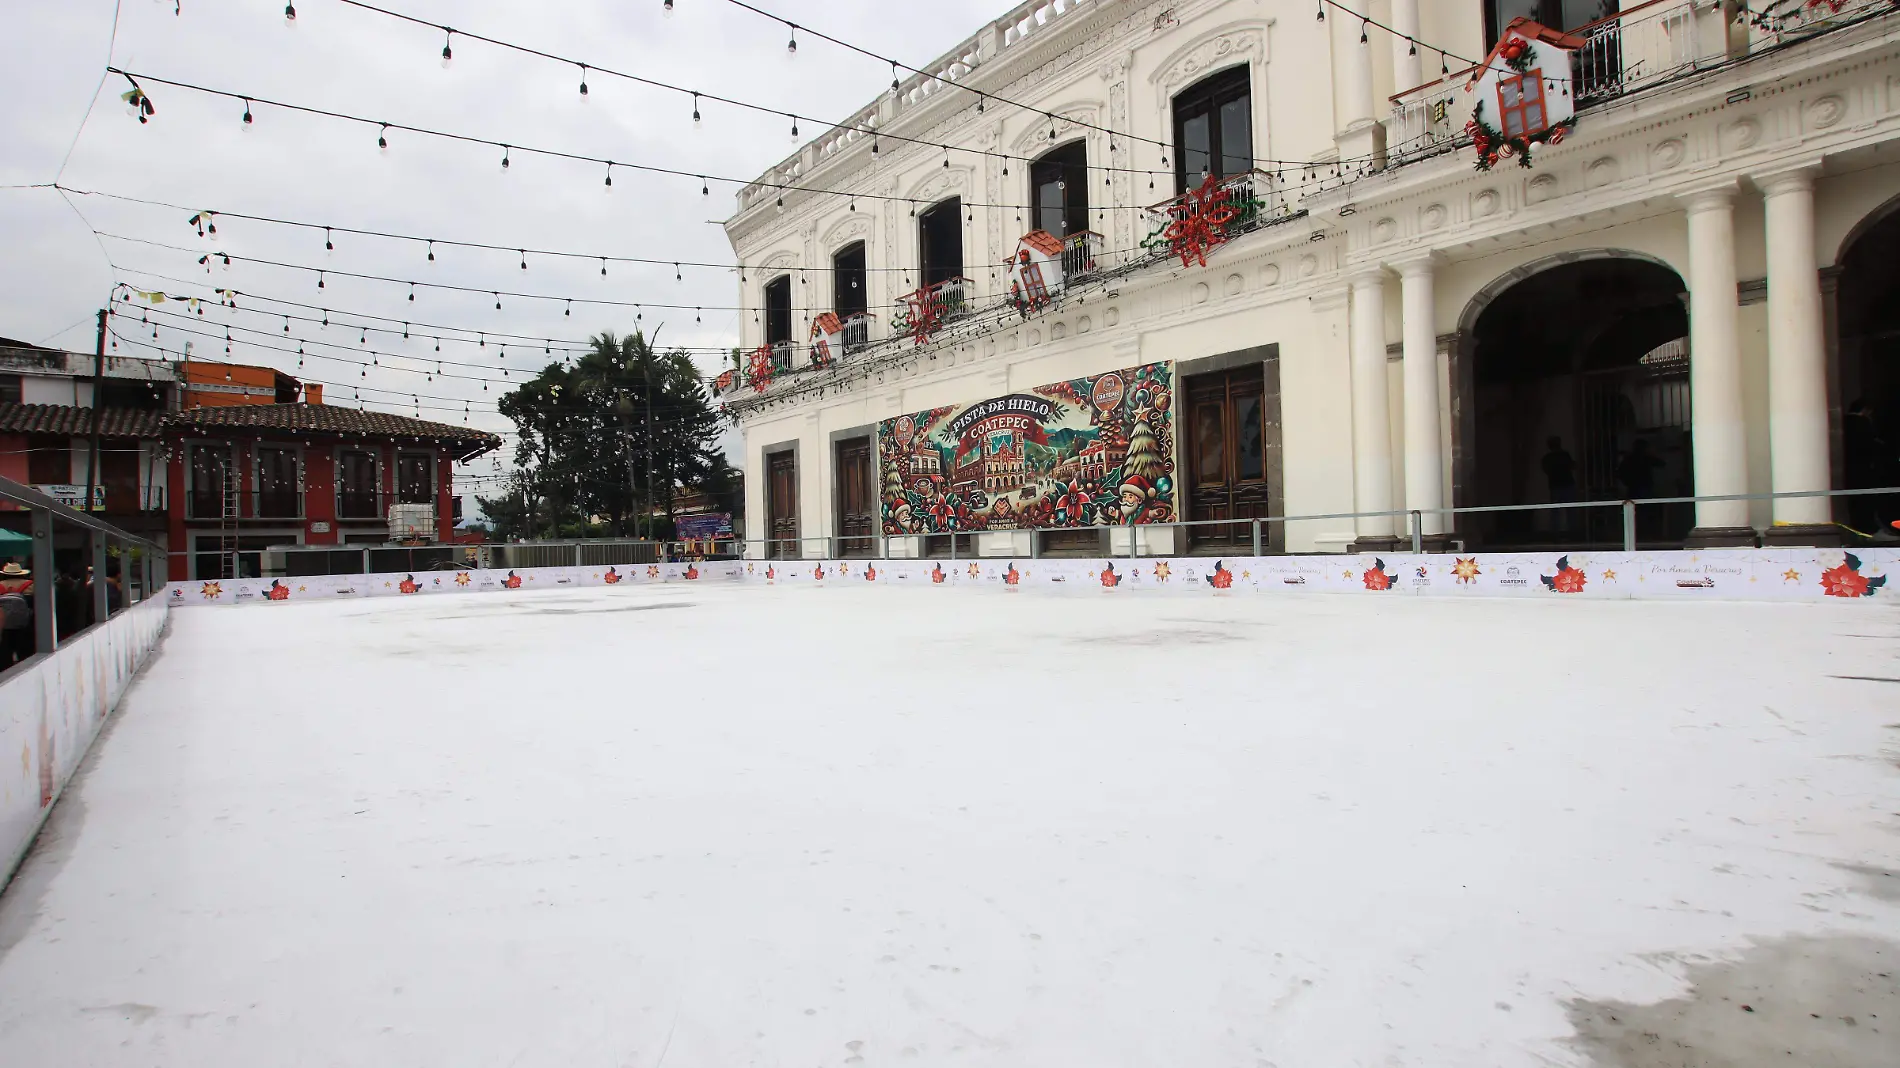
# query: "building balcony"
{"type": "Point", "coordinates": [1647, 46]}
{"type": "Point", "coordinates": [783, 353]}
{"type": "Point", "coordinates": [857, 332]}
{"type": "Point", "coordinates": [1081, 254]}
{"type": "Point", "coordinates": [1253, 196]}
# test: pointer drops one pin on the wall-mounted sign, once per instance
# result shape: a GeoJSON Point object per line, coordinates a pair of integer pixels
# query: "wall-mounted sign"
{"type": "Point", "coordinates": [1087, 452]}
{"type": "Point", "coordinates": [72, 495]}
{"type": "Point", "coordinates": [320, 527]}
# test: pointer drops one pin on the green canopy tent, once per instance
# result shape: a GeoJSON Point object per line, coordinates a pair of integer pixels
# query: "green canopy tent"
{"type": "Point", "coordinates": [13, 543]}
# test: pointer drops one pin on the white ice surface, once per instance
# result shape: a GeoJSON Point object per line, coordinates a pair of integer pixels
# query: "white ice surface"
{"type": "Point", "coordinates": [705, 825]}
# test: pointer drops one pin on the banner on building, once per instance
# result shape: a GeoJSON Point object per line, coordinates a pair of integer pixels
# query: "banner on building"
{"type": "Point", "coordinates": [1091, 451]}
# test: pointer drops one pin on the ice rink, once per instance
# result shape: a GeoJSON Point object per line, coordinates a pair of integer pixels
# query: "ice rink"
{"type": "Point", "coordinates": [709, 825]}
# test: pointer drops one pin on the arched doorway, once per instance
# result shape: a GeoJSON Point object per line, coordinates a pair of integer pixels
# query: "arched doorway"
{"type": "Point", "coordinates": [1577, 389]}
{"type": "Point", "coordinates": [1868, 314]}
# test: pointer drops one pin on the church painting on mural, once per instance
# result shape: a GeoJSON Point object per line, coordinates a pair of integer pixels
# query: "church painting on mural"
{"type": "Point", "coordinates": [1521, 94]}
{"type": "Point", "coordinates": [1091, 451]}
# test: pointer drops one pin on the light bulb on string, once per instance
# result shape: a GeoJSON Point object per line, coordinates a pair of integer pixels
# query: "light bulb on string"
{"type": "Point", "coordinates": [247, 113]}
{"type": "Point", "coordinates": [1322, 10]}
{"type": "Point", "coordinates": [382, 138]}
{"type": "Point", "coordinates": [666, 9]}
{"type": "Point", "coordinates": [791, 46]}
{"type": "Point", "coordinates": [794, 119]}
{"type": "Point", "coordinates": [1363, 25]}
{"type": "Point", "coordinates": [431, 252]}
{"type": "Point", "coordinates": [412, 292]}
{"type": "Point", "coordinates": [696, 122]}
{"type": "Point", "coordinates": [704, 189]}
{"type": "Point", "coordinates": [893, 77]}
{"type": "Point", "coordinates": [290, 16]}
{"type": "Point", "coordinates": [504, 157]}
{"type": "Point", "coordinates": [497, 301]}
{"type": "Point", "coordinates": [603, 268]}
{"type": "Point", "coordinates": [327, 245]}
{"type": "Point", "coordinates": [583, 82]}
{"type": "Point", "coordinates": [447, 52]}
{"type": "Point", "coordinates": [610, 174]}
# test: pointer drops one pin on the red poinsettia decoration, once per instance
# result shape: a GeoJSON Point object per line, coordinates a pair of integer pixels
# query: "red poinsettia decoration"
{"type": "Point", "coordinates": [758, 371]}
{"type": "Point", "coordinates": [723, 382]}
{"type": "Point", "coordinates": [1567, 579]}
{"type": "Point", "coordinates": [818, 572]}
{"type": "Point", "coordinates": [1109, 577]}
{"type": "Point", "coordinates": [1200, 223]}
{"type": "Point", "coordinates": [512, 582]}
{"type": "Point", "coordinates": [1222, 578]}
{"type": "Point", "coordinates": [408, 584]}
{"type": "Point", "coordinates": [1074, 504]}
{"type": "Point", "coordinates": [870, 573]}
{"type": "Point", "coordinates": [691, 572]}
{"type": "Point", "coordinates": [611, 576]}
{"type": "Point", "coordinates": [1011, 577]}
{"type": "Point", "coordinates": [936, 573]}
{"type": "Point", "coordinates": [278, 591]}
{"type": "Point", "coordinates": [770, 572]}
{"type": "Point", "coordinates": [1377, 578]}
{"type": "Point", "coordinates": [1845, 579]}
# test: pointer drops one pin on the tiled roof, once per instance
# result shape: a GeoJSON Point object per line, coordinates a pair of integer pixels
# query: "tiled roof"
{"type": "Point", "coordinates": [68, 420]}
{"type": "Point", "coordinates": [1044, 242]}
{"type": "Point", "coordinates": [141, 423]}
{"type": "Point", "coordinates": [331, 418]}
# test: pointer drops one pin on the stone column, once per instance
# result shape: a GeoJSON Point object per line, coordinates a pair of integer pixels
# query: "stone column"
{"type": "Point", "coordinates": [1361, 135]}
{"type": "Point", "coordinates": [1797, 363]}
{"type": "Point", "coordinates": [1408, 72]}
{"type": "Point", "coordinates": [1424, 450]}
{"type": "Point", "coordinates": [1715, 370]}
{"type": "Point", "coordinates": [1371, 421]}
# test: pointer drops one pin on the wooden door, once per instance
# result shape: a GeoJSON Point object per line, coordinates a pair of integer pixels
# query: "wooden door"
{"type": "Point", "coordinates": [1226, 455]}
{"type": "Point", "coordinates": [857, 505]}
{"type": "Point", "coordinates": [781, 504]}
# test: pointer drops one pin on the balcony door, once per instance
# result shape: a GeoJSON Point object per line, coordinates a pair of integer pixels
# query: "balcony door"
{"type": "Point", "coordinates": [1213, 128]}
{"type": "Point", "coordinates": [781, 503]}
{"type": "Point", "coordinates": [1227, 469]}
{"type": "Point", "coordinates": [857, 503]}
{"type": "Point", "coordinates": [940, 241]}
{"type": "Point", "coordinates": [1059, 184]}
{"type": "Point", "coordinates": [849, 296]}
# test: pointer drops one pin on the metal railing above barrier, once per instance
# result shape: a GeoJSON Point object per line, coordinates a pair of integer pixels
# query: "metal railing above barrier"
{"type": "Point", "coordinates": [71, 588]}
{"type": "Point", "coordinates": [1117, 543]}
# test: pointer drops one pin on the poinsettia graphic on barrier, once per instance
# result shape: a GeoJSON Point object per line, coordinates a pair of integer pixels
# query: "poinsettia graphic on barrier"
{"type": "Point", "coordinates": [1845, 579]}
{"type": "Point", "coordinates": [461, 578]}
{"type": "Point", "coordinates": [1109, 578]}
{"type": "Point", "coordinates": [936, 573]}
{"type": "Point", "coordinates": [1567, 579]}
{"type": "Point", "coordinates": [1221, 579]}
{"type": "Point", "coordinates": [211, 591]}
{"type": "Point", "coordinates": [512, 582]}
{"type": "Point", "coordinates": [1465, 569]}
{"type": "Point", "coordinates": [870, 573]}
{"type": "Point", "coordinates": [818, 572]}
{"type": "Point", "coordinates": [1377, 577]}
{"type": "Point", "coordinates": [408, 584]}
{"type": "Point", "coordinates": [610, 577]}
{"type": "Point", "coordinates": [1012, 576]}
{"type": "Point", "coordinates": [278, 591]}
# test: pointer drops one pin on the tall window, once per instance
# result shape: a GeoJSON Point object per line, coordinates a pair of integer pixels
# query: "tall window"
{"type": "Point", "coordinates": [940, 241]}
{"type": "Point", "coordinates": [357, 485]}
{"type": "Point", "coordinates": [206, 466]}
{"type": "Point", "coordinates": [1059, 184]}
{"type": "Point", "coordinates": [848, 295]}
{"type": "Point", "coordinates": [1213, 128]}
{"type": "Point", "coordinates": [1556, 14]}
{"type": "Point", "coordinates": [414, 481]}
{"type": "Point", "coordinates": [279, 482]}
{"type": "Point", "coordinates": [778, 310]}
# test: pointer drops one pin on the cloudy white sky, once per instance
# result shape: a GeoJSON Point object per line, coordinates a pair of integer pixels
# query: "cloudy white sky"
{"type": "Point", "coordinates": [196, 152]}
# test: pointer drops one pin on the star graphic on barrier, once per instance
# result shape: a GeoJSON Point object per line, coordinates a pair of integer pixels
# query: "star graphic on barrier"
{"type": "Point", "coordinates": [386, 585]}
{"type": "Point", "coordinates": [1791, 575]}
{"type": "Point", "coordinates": [1246, 574]}
{"type": "Point", "coordinates": [300, 589]}
{"type": "Point", "coordinates": [1346, 574]}
{"type": "Point", "coordinates": [1609, 574]}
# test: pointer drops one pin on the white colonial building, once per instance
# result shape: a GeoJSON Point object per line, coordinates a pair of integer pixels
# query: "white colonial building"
{"type": "Point", "coordinates": [1690, 289]}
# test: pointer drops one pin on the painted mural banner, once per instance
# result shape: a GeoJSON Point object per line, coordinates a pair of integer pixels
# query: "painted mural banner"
{"type": "Point", "coordinates": [1092, 451]}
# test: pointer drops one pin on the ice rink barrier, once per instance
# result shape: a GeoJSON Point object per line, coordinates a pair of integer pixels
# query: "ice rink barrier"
{"type": "Point", "coordinates": [1792, 574]}
{"type": "Point", "coordinates": [51, 709]}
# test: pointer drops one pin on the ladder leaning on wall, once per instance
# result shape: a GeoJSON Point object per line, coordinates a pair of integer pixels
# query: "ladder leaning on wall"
{"type": "Point", "coordinates": [228, 524]}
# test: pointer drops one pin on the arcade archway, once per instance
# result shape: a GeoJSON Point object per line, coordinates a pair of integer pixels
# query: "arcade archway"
{"type": "Point", "coordinates": [1868, 351]}
{"type": "Point", "coordinates": [1577, 389]}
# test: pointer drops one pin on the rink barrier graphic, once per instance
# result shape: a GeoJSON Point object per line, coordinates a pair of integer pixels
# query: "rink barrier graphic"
{"type": "Point", "coordinates": [1790, 574]}
{"type": "Point", "coordinates": [51, 709]}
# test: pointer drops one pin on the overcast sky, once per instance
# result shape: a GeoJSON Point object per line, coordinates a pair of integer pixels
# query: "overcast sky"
{"type": "Point", "coordinates": [196, 151]}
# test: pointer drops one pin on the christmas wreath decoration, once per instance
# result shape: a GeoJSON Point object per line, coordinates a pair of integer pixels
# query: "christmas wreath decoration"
{"type": "Point", "coordinates": [1492, 146]}
{"type": "Point", "coordinates": [1201, 224]}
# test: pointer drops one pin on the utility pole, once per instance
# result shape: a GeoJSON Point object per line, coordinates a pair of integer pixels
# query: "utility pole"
{"type": "Point", "coordinates": [98, 380]}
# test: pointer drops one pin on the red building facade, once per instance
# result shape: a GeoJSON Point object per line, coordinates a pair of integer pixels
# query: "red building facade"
{"type": "Point", "coordinates": [245, 478]}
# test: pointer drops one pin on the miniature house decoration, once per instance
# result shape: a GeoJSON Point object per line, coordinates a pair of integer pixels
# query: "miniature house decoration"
{"type": "Point", "coordinates": [1035, 271]}
{"type": "Point", "coordinates": [1522, 93]}
{"type": "Point", "coordinates": [827, 339]}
